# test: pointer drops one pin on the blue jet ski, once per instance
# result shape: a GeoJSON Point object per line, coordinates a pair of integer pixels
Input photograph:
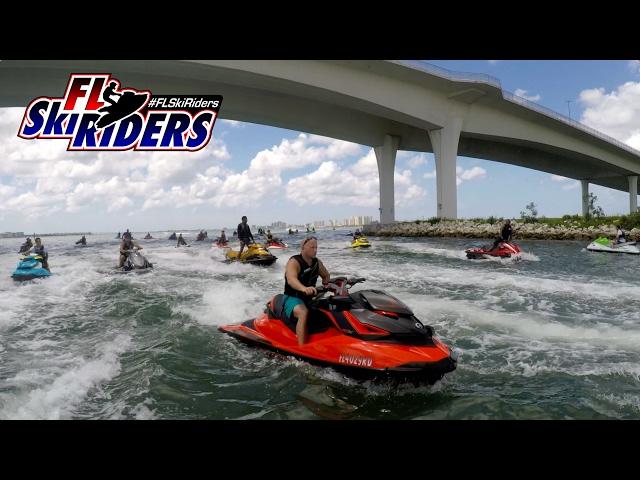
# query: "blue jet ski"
{"type": "Point", "coordinates": [30, 267]}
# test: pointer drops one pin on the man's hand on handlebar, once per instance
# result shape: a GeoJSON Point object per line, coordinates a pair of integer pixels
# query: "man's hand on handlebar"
{"type": "Point", "coordinates": [310, 291]}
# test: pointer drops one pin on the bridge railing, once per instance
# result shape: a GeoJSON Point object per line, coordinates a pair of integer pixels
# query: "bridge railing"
{"type": "Point", "coordinates": [488, 79]}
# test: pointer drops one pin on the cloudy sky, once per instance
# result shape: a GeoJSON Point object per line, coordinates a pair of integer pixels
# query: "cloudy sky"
{"type": "Point", "coordinates": [273, 174]}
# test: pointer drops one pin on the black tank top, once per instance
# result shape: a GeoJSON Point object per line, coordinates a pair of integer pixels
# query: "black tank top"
{"type": "Point", "coordinates": [308, 276]}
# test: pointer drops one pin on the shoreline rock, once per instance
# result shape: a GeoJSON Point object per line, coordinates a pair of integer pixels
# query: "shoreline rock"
{"type": "Point", "coordinates": [471, 229]}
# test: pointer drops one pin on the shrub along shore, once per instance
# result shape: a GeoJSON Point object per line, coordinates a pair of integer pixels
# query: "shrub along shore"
{"type": "Point", "coordinates": [572, 227]}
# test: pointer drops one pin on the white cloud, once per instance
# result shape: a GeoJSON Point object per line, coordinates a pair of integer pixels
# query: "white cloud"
{"type": "Point", "coordinates": [357, 185]}
{"type": "Point", "coordinates": [462, 174]}
{"type": "Point", "coordinates": [218, 186]}
{"type": "Point", "coordinates": [523, 93]}
{"type": "Point", "coordinates": [475, 172]}
{"type": "Point", "coordinates": [571, 185]}
{"type": "Point", "coordinates": [417, 161]}
{"type": "Point", "coordinates": [615, 113]}
{"type": "Point", "coordinates": [232, 123]}
{"type": "Point", "coordinates": [471, 174]}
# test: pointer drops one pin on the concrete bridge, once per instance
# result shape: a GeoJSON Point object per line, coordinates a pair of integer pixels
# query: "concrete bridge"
{"type": "Point", "coordinates": [388, 105]}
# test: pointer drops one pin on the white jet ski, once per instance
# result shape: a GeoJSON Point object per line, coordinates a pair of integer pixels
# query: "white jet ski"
{"type": "Point", "coordinates": [602, 244]}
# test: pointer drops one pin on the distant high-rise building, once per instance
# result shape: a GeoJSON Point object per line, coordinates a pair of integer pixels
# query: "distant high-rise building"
{"type": "Point", "coordinates": [279, 225]}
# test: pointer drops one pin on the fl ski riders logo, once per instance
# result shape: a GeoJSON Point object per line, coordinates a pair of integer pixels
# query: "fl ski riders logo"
{"type": "Point", "coordinates": [98, 113]}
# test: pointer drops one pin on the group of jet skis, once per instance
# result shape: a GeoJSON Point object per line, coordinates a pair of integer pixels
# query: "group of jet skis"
{"type": "Point", "coordinates": [366, 334]}
{"type": "Point", "coordinates": [503, 247]}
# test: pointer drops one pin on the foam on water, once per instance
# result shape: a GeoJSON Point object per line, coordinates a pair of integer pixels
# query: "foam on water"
{"type": "Point", "coordinates": [86, 343]}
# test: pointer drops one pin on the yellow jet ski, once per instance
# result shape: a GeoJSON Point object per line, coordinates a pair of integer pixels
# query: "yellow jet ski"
{"type": "Point", "coordinates": [360, 242]}
{"type": "Point", "coordinates": [254, 253]}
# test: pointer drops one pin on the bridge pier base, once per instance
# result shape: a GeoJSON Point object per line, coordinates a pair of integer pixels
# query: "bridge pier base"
{"type": "Point", "coordinates": [386, 157]}
{"type": "Point", "coordinates": [633, 193]}
{"type": "Point", "coordinates": [445, 150]}
{"type": "Point", "coordinates": [585, 197]}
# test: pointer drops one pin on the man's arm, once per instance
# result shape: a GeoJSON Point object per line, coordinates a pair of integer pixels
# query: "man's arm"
{"type": "Point", "coordinates": [324, 273]}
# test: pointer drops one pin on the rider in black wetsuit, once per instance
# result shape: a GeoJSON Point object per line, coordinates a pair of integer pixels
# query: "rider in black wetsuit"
{"type": "Point", "coordinates": [505, 235]}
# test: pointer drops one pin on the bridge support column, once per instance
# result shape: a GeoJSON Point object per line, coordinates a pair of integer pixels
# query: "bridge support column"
{"type": "Point", "coordinates": [445, 150]}
{"type": "Point", "coordinates": [585, 198]}
{"type": "Point", "coordinates": [633, 193]}
{"type": "Point", "coordinates": [386, 157]}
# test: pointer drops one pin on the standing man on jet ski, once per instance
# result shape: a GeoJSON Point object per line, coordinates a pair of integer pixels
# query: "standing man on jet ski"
{"type": "Point", "coordinates": [181, 241]}
{"type": "Point", "coordinates": [127, 243]}
{"type": "Point", "coordinates": [244, 233]}
{"type": "Point", "coordinates": [505, 234]}
{"type": "Point", "coordinates": [300, 277]}
{"type": "Point", "coordinates": [39, 249]}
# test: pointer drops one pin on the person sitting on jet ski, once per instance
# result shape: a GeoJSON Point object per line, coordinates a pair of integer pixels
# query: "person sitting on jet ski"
{"type": "Point", "coordinates": [26, 245]}
{"type": "Point", "coordinates": [222, 238]}
{"type": "Point", "coordinates": [269, 236]}
{"type": "Point", "coordinates": [301, 274]}
{"type": "Point", "coordinates": [620, 235]}
{"type": "Point", "coordinates": [82, 241]}
{"type": "Point", "coordinates": [181, 240]}
{"type": "Point", "coordinates": [505, 235]}
{"type": "Point", "coordinates": [357, 234]}
{"type": "Point", "coordinates": [127, 243]}
{"type": "Point", "coordinates": [39, 249]}
{"type": "Point", "coordinates": [244, 233]}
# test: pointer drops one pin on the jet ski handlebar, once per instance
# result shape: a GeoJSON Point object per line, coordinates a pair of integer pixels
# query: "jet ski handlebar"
{"type": "Point", "coordinates": [338, 285]}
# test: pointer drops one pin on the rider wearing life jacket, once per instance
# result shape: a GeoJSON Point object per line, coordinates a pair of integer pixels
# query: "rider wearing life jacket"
{"type": "Point", "coordinates": [300, 278]}
{"type": "Point", "coordinates": [505, 234]}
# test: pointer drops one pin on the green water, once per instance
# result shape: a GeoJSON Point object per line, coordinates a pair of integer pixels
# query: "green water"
{"type": "Point", "coordinates": [553, 336]}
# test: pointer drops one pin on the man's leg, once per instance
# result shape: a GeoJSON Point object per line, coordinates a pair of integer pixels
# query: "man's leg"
{"type": "Point", "coordinates": [241, 248]}
{"type": "Point", "coordinates": [301, 313]}
{"type": "Point", "coordinates": [121, 262]}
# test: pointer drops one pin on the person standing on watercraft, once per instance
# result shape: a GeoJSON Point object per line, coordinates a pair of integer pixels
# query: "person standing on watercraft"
{"type": "Point", "coordinates": [39, 249]}
{"type": "Point", "coordinates": [505, 234]}
{"type": "Point", "coordinates": [244, 234]}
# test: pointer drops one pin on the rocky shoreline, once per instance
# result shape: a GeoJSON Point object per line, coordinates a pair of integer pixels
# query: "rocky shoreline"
{"type": "Point", "coordinates": [471, 229]}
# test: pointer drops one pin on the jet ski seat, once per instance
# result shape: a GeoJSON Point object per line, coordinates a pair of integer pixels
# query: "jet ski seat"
{"type": "Point", "coordinates": [316, 323]}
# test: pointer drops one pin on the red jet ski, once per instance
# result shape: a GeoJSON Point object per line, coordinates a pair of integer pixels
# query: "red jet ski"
{"type": "Point", "coordinates": [220, 244]}
{"type": "Point", "coordinates": [277, 244]}
{"type": "Point", "coordinates": [367, 334]}
{"type": "Point", "coordinates": [504, 250]}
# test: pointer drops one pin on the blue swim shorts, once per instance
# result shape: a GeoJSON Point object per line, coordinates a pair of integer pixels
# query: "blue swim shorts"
{"type": "Point", "coordinates": [289, 304]}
